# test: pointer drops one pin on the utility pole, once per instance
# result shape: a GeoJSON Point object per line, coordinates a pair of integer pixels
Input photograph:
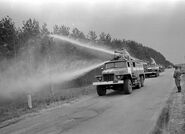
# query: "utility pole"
{"type": "Point", "coordinates": [50, 73]}
{"type": "Point", "coordinates": [50, 79]}
{"type": "Point", "coordinates": [29, 97]}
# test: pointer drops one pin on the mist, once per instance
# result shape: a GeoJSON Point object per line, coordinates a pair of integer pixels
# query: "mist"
{"type": "Point", "coordinates": [31, 70]}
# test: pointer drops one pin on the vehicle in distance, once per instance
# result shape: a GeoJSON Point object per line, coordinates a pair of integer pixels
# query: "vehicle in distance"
{"type": "Point", "coordinates": [152, 70]}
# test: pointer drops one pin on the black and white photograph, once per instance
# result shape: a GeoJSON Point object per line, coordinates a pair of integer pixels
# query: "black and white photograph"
{"type": "Point", "coordinates": [92, 66]}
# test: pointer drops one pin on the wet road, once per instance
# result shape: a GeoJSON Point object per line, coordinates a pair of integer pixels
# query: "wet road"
{"type": "Point", "coordinates": [112, 114]}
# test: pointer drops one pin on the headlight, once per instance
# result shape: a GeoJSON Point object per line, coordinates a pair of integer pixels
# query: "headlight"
{"type": "Point", "coordinates": [99, 78]}
{"type": "Point", "coordinates": [119, 77]}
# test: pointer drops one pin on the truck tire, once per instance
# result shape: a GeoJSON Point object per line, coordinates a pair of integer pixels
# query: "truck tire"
{"type": "Point", "coordinates": [142, 81]}
{"type": "Point", "coordinates": [157, 74]}
{"type": "Point", "coordinates": [139, 83]}
{"type": "Point", "coordinates": [101, 91]}
{"type": "Point", "coordinates": [127, 86]}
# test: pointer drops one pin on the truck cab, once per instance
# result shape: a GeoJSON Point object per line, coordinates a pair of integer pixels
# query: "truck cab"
{"type": "Point", "coordinates": [120, 74]}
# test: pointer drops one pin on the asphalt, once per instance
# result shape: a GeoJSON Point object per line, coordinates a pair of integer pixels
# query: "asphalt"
{"type": "Point", "coordinates": [114, 113]}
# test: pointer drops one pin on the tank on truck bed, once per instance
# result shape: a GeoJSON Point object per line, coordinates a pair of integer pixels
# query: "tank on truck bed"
{"type": "Point", "coordinates": [122, 74]}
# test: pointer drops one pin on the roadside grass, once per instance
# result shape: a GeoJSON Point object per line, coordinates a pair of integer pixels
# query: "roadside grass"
{"type": "Point", "coordinates": [172, 117]}
{"type": "Point", "coordinates": [19, 106]}
{"type": "Point", "coordinates": [177, 113]}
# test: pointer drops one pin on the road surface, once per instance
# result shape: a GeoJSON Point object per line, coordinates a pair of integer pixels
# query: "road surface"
{"type": "Point", "coordinates": [112, 114]}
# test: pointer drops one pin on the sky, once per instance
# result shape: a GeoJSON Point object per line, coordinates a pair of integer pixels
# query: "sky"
{"type": "Point", "coordinates": [159, 24]}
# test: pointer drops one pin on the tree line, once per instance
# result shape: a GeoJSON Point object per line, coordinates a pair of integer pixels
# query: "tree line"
{"type": "Point", "coordinates": [13, 39]}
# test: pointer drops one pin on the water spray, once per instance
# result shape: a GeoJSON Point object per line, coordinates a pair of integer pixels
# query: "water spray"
{"type": "Point", "coordinates": [99, 49]}
{"type": "Point", "coordinates": [76, 74]}
{"type": "Point", "coordinates": [58, 77]}
{"type": "Point", "coordinates": [36, 81]}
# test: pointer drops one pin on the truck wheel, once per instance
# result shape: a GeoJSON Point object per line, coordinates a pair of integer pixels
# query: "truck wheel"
{"type": "Point", "coordinates": [139, 83]}
{"type": "Point", "coordinates": [101, 91]}
{"type": "Point", "coordinates": [128, 86]}
{"type": "Point", "coordinates": [142, 81]}
{"type": "Point", "coordinates": [157, 74]}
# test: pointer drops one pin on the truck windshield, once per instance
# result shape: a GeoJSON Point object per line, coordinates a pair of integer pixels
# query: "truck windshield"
{"type": "Point", "coordinates": [115, 65]}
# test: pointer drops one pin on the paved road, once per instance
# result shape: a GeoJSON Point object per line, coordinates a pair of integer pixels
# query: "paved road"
{"type": "Point", "coordinates": [112, 114]}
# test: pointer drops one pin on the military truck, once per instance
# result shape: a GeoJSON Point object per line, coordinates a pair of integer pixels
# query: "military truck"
{"type": "Point", "coordinates": [151, 69]}
{"type": "Point", "coordinates": [122, 74]}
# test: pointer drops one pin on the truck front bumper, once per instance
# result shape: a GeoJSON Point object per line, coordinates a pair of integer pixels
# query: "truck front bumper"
{"type": "Point", "coordinates": [108, 83]}
{"type": "Point", "coordinates": [150, 73]}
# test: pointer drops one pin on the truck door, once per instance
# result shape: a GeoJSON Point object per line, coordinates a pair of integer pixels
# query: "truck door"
{"type": "Point", "coordinates": [135, 69]}
{"type": "Point", "coordinates": [129, 67]}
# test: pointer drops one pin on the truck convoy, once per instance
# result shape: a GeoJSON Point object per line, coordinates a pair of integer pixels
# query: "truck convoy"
{"type": "Point", "coordinates": [122, 73]}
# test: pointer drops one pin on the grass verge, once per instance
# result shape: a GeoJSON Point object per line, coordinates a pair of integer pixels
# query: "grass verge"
{"type": "Point", "coordinates": [13, 111]}
{"type": "Point", "coordinates": [172, 117]}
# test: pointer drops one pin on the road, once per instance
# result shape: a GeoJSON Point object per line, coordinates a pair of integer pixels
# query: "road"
{"type": "Point", "coordinates": [114, 113]}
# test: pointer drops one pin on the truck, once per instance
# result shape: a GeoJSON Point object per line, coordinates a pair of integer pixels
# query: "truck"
{"type": "Point", "coordinates": [121, 74]}
{"type": "Point", "coordinates": [151, 69]}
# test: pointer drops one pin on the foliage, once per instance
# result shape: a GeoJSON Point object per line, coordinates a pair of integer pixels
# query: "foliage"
{"type": "Point", "coordinates": [30, 28]}
{"type": "Point", "coordinates": [8, 38]}
{"type": "Point", "coordinates": [92, 35]}
{"type": "Point", "coordinates": [13, 39]}
{"type": "Point", "coordinates": [61, 30]}
{"type": "Point", "coordinates": [44, 30]}
{"type": "Point", "coordinates": [105, 38]}
{"type": "Point", "coordinates": [77, 34]}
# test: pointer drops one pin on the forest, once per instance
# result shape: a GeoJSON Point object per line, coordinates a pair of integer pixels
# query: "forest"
{"type": "Point", "coordinates": [14, 40]}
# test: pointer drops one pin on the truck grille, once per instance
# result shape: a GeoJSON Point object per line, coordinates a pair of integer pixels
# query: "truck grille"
{"type": "Point", "coordinates": [108, 77]}
{"type": "Point", "coordinates": [149, 70]}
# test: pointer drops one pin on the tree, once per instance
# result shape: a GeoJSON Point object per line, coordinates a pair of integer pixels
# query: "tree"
{"type": "Point", "coordinates": [102, 36]}
{"type": "Point", "coordinates": [77, 34]}
{"type": "Point", "coordinates": [8, 38]}
{"type": "Point", "coordinates": [61, 30]}
{"type": "Point", "coordinates": [56, 29]}
{"type": "Point", "coordinates": [31, 28]}
{"type": "Point", "coordinates": [47, 45]}
{"type": "Point", "coordinates": [105, 38]}
{"type": "Point", "coordinates": [44, 29]}
{"type": "Point", "coordinates": [108, 38]}
{"type": "Point", "coordinates": [92, 35]}
{"type": "Point", "coordinates": [64, 30]}
{"type": "Point", "coordinates": [117, 44]}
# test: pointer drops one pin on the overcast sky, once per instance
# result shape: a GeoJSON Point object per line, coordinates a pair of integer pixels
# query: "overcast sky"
{"type": "Point", "coordinates": [159, 24]}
